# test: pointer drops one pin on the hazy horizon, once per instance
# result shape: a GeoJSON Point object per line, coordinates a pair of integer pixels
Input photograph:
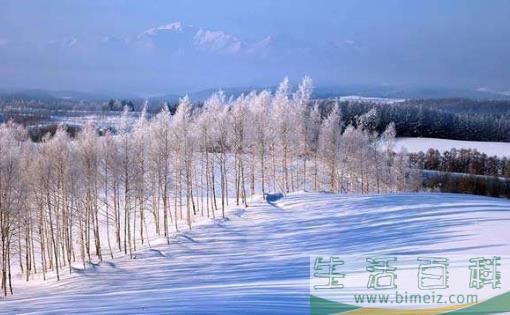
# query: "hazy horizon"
{"type": "Point", "coordinates": [159, 47]}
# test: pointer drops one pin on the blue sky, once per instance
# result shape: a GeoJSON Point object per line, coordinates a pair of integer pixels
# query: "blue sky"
{"type": "Point", "coordinates": [150, 47]}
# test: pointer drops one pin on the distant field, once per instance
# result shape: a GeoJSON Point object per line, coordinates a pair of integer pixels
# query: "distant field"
{"type": "Point", "coordinates": [413, 145]}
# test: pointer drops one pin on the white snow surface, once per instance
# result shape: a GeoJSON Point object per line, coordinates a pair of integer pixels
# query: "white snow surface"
{"type": "Point", "coordinates": [414, 145]}
{"type": "Point", "coordinates": [370, 99]}
{"type": "Point", "coordinates": [257, 260]}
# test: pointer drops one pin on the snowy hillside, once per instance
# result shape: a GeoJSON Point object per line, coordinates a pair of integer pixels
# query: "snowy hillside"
{"type": "Point", "coordinates": [257, 261]}
{"type": "Point", "coordinates": [414, 145]}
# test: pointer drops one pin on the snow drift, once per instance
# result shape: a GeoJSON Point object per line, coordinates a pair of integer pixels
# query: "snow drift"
{"type": "Point", "coordinates": [257, 261]}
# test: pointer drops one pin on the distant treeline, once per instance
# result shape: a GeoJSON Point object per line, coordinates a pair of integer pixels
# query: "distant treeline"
{"type": "Point", "coordinates": [463, 171]}
{"type": "Point", "coordinates": [468, 184]}
{"type": "Point", "coordinates": [37, 133]}
{"type": "Point", "coordinates": [457, 119]}
{"type": "Point", "coordinates": [466, 161]}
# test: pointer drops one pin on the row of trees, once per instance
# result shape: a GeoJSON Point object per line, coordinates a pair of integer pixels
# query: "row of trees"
{"type": "Point", "coordinates": [83, 199]}
{"type": "Point", "coordinates": [447, 119]}
{"type": "Point", "coordinates": [461, 119]}
{"type": "Point", "coordinates": [468, 184]}
{"type": "Point", "coordinates": [468, 161]}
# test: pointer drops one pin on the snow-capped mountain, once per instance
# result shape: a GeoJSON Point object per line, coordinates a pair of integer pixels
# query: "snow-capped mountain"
{"type": "Point", "coordinates": [179, 36]}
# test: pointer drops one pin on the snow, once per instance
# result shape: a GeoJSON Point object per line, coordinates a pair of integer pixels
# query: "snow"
{"type": "Point", "coordinates": [175, 26]}
{"type": "Point", "coordinates": [414, 145]}
{"type": "Point", "coordinates": [257, 261]}
{"type": "Point", "coordinates": [217, 41]}
{"type": "Point", "coordinates": [370, 99]}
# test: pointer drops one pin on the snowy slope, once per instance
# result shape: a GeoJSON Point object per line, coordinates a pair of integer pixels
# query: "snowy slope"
{"type": "Point", "coordinates": [414, 145]}
{"type": "Point", "coordinates": [258, 260]}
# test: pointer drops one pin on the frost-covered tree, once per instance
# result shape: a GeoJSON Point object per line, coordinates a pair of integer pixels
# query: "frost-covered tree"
{"type": "Point", "coordinates": [183, 129]}
{"type": "Point", "coordinates": [259, 131]}
{"type": "Point", "coordinates": [305, 125]}
{"type": "Point", "coordinates": [330, 147]}
{"type": "Point", "coordinates": [283, 118]}
{"type": "Point", "coordinates": [11, 206]}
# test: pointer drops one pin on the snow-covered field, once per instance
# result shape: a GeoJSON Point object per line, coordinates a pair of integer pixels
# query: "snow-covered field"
{"type": "Point", "coordinates": [257, 261]}
{"type": "Point", "coordinates": [370, 99]}
{"type": "Point", "coordinates": [414, 145]}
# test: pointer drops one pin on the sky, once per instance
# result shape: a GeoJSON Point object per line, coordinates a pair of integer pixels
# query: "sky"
{"type": "Point", "coordinates": [154, 47]}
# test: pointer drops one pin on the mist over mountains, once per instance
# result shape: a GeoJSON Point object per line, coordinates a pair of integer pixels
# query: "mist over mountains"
{"type": "Point", "coordinates": [171, 51]}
